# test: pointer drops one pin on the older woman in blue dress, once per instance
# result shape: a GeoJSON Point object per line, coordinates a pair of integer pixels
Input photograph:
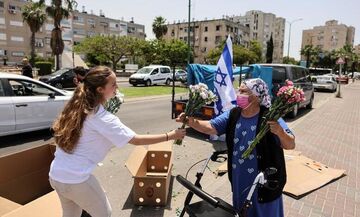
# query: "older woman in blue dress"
{"type": "Point", "coordinates": [253, 101]}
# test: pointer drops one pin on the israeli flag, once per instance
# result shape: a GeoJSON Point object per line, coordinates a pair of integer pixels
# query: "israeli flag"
{"type": "Point", "coordinates": [223, 80]}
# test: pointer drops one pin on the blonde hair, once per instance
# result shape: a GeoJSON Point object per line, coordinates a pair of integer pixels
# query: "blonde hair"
{"type": "Point", "coordinates": [86, 99]}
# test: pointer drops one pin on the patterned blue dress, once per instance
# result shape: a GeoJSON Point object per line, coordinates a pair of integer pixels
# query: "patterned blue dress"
{"type": "Point", "coordinates": [245, 170]}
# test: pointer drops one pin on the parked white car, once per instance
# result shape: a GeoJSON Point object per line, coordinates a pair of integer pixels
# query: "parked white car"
{"type": "Point", "coordinates": [27, 104]}
{"type": "Point", "coordinates": [150, 75]}
{"type": "Point", "coordinates": [325, 82]}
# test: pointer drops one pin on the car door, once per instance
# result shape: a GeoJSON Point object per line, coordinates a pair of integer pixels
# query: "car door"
{"type": "Point", "coordinates": [68, 81]}
{"type": "Point", "coordinates": [155, 76]}
{"type": "Point", "coordinates": [7, 110]}
{"type": "Point", "coordinates": [34, 107]}
{"type": "Point", "coordinates": [165, 74]}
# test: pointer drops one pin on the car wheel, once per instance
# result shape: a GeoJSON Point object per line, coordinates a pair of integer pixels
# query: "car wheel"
{"type": "Point", "coordinates": [310, 105]}
{"type": "Point", "coordinates": [294, 112]}
{"type": "Point", "coordinates": [167, 82]}
{"type": "Point", "coordinates": [58, 85]}
{"type": "Point", "coordinates": [148, 83]}
{"type": "Point", "coordinates": [134, 85]}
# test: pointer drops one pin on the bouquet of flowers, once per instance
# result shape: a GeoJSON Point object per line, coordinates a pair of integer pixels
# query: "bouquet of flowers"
{"type": "Point", "coordinates": [199, 95]}
{"type": "Point", "coordinates": [113, 104]}
{"type": "Point", "coordinates": [287, 97]}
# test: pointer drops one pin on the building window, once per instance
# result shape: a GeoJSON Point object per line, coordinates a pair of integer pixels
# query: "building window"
{"type": "Point", "coordinates": [18, 54]}
{"type": "Point", "coordinates": [131, 29]}
{"type": "Point", "coordinates": [185, 38]}
{"type": "Point", "coordinates": [16, 23]}
{"type": "Point", "coordinates": [39, 42]}
{"type": "Point", "coordinates": [49, 27]}
{"type": "Point", "coordinates": [47, 40]}
{"type": "Point", "coordinates": [2, 36]}
{"type": "Point", "coordinates": [181, 29]}
{"type": "Point", "coordinates": [181, 38]}
{"type": "Point", "coordinates": [91, 22]}
{"type": "Point", "coordinates": [217, 39]}
{"type": "Point", "coordinates": [218, 27]}
{"type": "Point", "coordinates": [78, 19]}
{"type": "Point", "coordinates": [2, 21]}
{"type": "Point", "coordinates": [206, 28]}
{"type": "Point", "coordinates": [206, 39]}
{"type": "Point", "coordinates": [79, 32]}
{"type": "Point", "coordinates": [15, 38]}
{"type": "Point", "coordinates": [1, 4]}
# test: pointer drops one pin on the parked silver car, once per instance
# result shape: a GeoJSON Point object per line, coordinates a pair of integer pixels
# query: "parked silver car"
{"type": "Point", "coordinates": [325, 82]}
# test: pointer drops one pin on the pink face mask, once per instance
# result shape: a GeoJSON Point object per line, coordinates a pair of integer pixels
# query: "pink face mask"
{"type": "Point", "coordinates": [242, 101]}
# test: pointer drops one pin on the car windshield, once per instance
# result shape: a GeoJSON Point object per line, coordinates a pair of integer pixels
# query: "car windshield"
{"type": "Point", "coordinates": [59, 72]}
{"type": "Point", "coordinates": [144, 71]}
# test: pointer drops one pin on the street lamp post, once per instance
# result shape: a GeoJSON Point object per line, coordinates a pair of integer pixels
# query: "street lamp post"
{"type": "Point", "coordinates": [290, 23]}
{"type": "Point", "coordinates": [188, 38]}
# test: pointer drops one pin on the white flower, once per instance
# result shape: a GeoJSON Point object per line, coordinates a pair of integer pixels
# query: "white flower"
{"type": "Point", "coordinates": [203, 95]}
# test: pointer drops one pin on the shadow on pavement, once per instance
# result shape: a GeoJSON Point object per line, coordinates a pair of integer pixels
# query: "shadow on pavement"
{"type": "Point", "coordinates": [154, 211]}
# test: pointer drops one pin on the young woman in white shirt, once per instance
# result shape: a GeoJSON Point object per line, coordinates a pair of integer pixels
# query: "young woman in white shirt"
{"type": "Point", "coordinates": [84, 133]}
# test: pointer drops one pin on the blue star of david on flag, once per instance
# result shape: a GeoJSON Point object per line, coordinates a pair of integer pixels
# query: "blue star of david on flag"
{"type": "Point", "coordinates": [221, 76]}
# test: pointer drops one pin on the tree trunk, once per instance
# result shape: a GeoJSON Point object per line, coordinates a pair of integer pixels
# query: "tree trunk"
{"type": "Point", "coordinates": [57, 45]}
{"type": "Point", "coordinates": [114, 64]}
{"type": "Point", "coordinates": [308, 60]}
{"type": "Point", "coordinates": [32, 54]}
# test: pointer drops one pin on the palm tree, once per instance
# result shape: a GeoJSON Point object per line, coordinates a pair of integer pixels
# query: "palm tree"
{"type": "Point", "coordinates": [309, 51]}
{"type": "Point", "coordinates": [159, 27]}
{"type": "Point", "coordinates": [58, 11]}
{"type": "Point", "coordinates": [34, 15]}
{"type": "Point", "coordinates": [346, 53]}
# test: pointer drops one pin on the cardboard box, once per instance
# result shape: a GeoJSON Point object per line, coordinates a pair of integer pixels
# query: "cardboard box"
{"type": "Point", "coordinates": [305, 175]}
{"type": "Point", "coordinates": [25, 190]}
{"type": "Point", "coordinates": [151, 169]}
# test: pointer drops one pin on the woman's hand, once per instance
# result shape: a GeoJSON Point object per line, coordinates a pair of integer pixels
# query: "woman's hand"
{"type": "Point", "coordinates": [287, 140]}
{"type": "Point", "coordinates": [182, 117]}
{"type": "Point", "coordinates": [177, 134]}
{"type": "Point", "coordinates": [275, 128]}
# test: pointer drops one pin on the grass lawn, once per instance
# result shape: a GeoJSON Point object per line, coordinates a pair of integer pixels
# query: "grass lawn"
{"type": "Point", "coordinates": [131, 92]}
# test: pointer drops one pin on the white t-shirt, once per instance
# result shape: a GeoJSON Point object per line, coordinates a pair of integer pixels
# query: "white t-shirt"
{"type": "Point", "coordinates": [100, 132]}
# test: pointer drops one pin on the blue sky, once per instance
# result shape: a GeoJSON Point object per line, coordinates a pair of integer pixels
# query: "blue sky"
{"type": "Point", "coordinates": [313, 12]}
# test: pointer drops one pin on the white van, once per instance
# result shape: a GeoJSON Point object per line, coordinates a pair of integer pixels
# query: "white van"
{"type": "Point", "coordinates": [153, 74]}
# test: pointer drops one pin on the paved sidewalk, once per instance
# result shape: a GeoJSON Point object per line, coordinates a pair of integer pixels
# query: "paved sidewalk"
{"type": "Point", "coordinates": [331, 134]}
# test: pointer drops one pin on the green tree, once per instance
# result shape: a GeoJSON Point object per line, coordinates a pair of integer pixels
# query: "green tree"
{"type": "Point", "coordinates": [256, 48]}
{"type": "Point", "coordinates": [159, 27]}
{"type": "Point", "coordinates": [58, 10]}
{"type": "Point", "coordinates": [290, 60]}
{"type": "Point", "coordinates": [241, 55]}
{"type": "Point", "coordinates": [309, 51]}
{"type": "Point", "coordinates": [34, 15]}
{"type": "Point", "coordinates": [269, 50]}
{"type": "Point", "coordinates": [175, 52]}
{"type": "Point", "coordinates": [107, 48]}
